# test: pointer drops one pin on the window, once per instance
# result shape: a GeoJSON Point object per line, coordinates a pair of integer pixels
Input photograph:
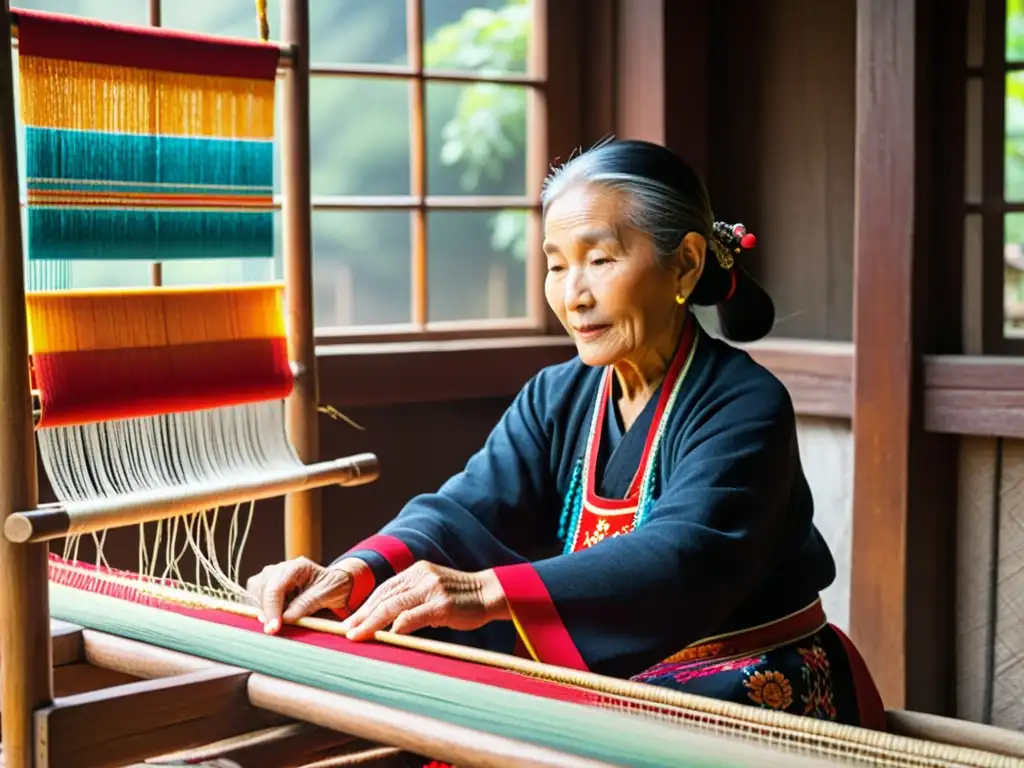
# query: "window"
{"type": "Point", "coordinates": [427, 156]}
{"type": "Point", "coordinates": [994, 178]}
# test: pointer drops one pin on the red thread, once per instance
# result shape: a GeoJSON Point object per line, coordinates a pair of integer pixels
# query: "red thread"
{"type": "Point", "coordinates": [103, 384]}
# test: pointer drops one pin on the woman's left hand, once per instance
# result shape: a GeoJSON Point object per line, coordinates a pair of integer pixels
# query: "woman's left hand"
{"type": "Point", "coordinates": [428, 595]}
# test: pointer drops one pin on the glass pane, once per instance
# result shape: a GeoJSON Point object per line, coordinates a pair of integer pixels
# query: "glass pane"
{"type": "Point", "coordinates": [357, 32]}
{"type": "Point", "coordinates": [476, 265]}
{"type": "Point", "coordinates": [477, 35]}
{"type": "Point", "coordinates": [1014, 169]}
{"type": "Point", "coordinates": [1013, 275]}
{"type": "Point", "coordinates": [106, 274]}
{"type": "Point", "coordinates": [476, 139]}
{"type": "Point", "coordinates": [360, 136]}
{"type": "Point", "coordinates": [232, 18]}
{"type": "Point", "coordinates": [1014, 30]}
{"type": "Point", "coordinates": [117, 11]}
{"type": "Point", "coordinates": [341, 31]}
{"type": "Point", "coordinates": [362, 268]}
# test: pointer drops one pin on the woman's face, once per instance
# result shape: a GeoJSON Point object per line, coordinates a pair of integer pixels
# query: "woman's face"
{"type": "Point", "coordinates": [605, 283]}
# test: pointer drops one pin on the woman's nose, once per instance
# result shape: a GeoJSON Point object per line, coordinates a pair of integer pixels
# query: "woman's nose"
{"type": "Point", "coordinates": [577, 291]}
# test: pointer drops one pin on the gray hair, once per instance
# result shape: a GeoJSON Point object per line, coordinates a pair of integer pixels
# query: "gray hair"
{"type": "Point", "coordinates": [664, 213]}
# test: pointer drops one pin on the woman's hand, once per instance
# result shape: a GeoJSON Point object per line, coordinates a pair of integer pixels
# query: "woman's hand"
{"type": "Point", "coordinates": [428, 595]}
{"type": "Point", "coordinates": [296, 588]}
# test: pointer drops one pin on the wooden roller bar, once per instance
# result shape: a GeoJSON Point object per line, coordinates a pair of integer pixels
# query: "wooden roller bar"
{"type": "Point", "coordinates": [55, 521]}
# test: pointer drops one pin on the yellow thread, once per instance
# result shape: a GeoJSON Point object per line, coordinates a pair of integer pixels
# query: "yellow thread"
{"type": "Point", "coordinates": [261, 20]}
{"type": "Point", "coordinates": [98, 97]}
{"type": "Point", "coordinates": [334, 413]}
{"type": "Point", "coordinates": [66, 321]}
{"type": "Point", "coordinates": [523, 636]}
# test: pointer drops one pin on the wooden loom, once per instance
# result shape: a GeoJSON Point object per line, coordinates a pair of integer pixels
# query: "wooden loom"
{"type": "Point", "coordinates": [134, 666]}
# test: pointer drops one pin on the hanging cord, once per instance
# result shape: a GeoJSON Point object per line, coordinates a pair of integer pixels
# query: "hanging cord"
{"type": "Point", "coordinates": [261, 19]}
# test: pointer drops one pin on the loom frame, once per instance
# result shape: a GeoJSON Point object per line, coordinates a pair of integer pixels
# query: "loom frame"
{"type": "Point", "coordinates": [43, 658]}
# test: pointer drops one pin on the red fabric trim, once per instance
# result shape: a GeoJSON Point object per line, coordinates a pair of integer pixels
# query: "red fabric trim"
{"type": "Point", "coordinates": [81, 576]}
{"type": "Point", "coordinates": [537, 616]}
{"type": "Point", "coordinates": [363, 584]}
{"type": "Point", "coordinates": [90, 385]}
{"type": "Point", "coordinates": [398, 555]}
{"type": "Point", "coordinates": [671, 376]}
{"type": "Point", "coordinates": [869, 701]}
{"type": "Point", "coordinates": [59, 36]}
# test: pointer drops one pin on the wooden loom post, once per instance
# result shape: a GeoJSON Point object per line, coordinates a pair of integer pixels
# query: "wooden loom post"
{"type": "Point", "coordinates": [302, 510]}
{"type": "Point", "coordinates": [24, 598]}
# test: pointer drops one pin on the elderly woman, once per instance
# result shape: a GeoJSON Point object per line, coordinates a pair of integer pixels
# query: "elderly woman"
{"type": "Point", "coordinates": [639, 511]}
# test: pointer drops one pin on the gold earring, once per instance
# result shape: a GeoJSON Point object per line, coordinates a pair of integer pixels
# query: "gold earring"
{"type": "Point", "coordinates": [680, 299]}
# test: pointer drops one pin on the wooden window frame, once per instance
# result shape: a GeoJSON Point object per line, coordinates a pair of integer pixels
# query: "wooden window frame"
{"type": "Point", "coordinates": [993, 205]}
{"type": "Point", "coordinates": [419, 203]}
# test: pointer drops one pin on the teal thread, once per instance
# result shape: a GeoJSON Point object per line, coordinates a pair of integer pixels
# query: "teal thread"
{"type": "Point", "coordinates": [75, 156]}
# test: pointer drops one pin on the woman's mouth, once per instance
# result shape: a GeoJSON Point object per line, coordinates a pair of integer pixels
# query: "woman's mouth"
{"type": "Point", "coordinates": [590, 332]}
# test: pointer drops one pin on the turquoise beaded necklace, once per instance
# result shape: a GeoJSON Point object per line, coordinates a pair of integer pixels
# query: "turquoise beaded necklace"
{"type": "Point", "coordinates": [572, 507]}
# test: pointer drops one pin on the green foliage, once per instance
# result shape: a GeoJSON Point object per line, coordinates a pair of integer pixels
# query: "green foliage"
{"type": "Point", "coordinates": [488, 132]}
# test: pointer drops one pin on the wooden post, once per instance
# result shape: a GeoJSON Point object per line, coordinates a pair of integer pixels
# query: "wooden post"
{"type": "Point", "coordinates": [904, 488]}
{"type": "Point", "coordinates": [24, 599]}
{"type": "Point", "coordinates": [302, 510]}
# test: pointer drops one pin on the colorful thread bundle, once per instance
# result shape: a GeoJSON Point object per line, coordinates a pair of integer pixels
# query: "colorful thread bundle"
{"type": "Point", "coordinates": [145, 143]}
{"type": "Point", "coordinates": [106, 355]}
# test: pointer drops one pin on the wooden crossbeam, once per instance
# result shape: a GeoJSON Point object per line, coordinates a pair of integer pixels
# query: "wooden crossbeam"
{"type": "Point", "coordinates": [287, 746]}
{"type": "Point", "coordinates": [117, 725]}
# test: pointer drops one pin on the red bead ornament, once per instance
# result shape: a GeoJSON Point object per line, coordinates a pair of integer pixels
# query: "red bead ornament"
{"type": "Point", "coordinates": [748, 241]}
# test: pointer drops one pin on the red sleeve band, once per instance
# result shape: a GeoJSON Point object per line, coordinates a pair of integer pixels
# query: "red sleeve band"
{"type": "Point", "coordinates": [398, 555]}
{"type": "Point", "coordinates": [536, 617]}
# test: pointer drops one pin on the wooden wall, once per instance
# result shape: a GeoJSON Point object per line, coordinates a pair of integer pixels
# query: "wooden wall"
{"type": "Point", "coordinates": [782, 130]}
{"type": "Point", "coordinates": [990, 582]}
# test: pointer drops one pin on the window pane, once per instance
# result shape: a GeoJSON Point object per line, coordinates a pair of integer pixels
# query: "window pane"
{"type": "Point", "coordinates": [357, 32]}
{"type": "Point", "coordinates": [232, 18]}
{"type": "Point", "coordinates": [360, 136]}
{"type": "Point", "coordinates": [341, 31]}
{"type": "Point", "coordinates": [476, 265]}
{"type": "Point", "coordinates": [1014, 182]}
{"type": "Point", "coordinates": [1013, 275]}
{"type": "Point", "coordinates": [477, 35]}
{"type": "Point", "coordinates": [1014, 30]}
{"type": "Point", "coordinates": [476, 139]}
{"type": "Point", "coordinates": [118, 11]}
{"type": "Point", "coordinates": [362, 268]}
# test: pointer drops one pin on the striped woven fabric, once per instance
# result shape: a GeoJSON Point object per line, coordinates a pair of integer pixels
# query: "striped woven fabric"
{"type": "Point", "coordinates": [145, 143]}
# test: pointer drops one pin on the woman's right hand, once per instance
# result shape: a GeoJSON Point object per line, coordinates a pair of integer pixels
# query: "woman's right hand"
{"type": "Point", "coordinates": [293, 589]}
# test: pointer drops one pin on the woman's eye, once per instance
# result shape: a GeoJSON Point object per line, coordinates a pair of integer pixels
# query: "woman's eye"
{"type": "Point", "coordinates": [555, 267]}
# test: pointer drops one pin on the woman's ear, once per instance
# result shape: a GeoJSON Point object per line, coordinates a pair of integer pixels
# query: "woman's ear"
{"type": "Point", "coordinates": [690, 262]}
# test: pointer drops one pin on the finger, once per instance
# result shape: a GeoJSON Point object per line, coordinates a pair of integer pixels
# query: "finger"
{"type": "Point", "coordinates": [327, 591]}
{"type": "Point", "coordinates": [383, 615]}
{"type": "Point", "coordinates": [254, 586]}
{"type": "Point", "coordinates": [388, 589]}
{"type": "Point", "coordinates": [277, 589]}
{"type": "Point", "coordinates": [426, 615]}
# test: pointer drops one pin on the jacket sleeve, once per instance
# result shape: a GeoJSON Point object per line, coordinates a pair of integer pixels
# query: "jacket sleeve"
{"type": "Point", "coordinates": [632, 601]}
{"type": "Point", "coordinates": [481, 516]}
